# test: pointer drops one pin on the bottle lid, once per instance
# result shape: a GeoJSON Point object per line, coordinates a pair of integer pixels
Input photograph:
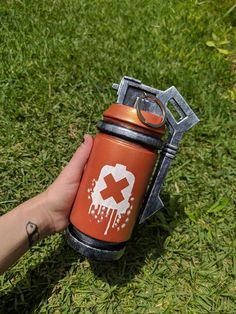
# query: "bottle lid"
{"type": "Point", "coordinates": [130, 115]}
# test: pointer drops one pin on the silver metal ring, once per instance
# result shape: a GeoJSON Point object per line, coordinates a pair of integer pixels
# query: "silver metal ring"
{"type": "Point", "coordinates": [140, 115]}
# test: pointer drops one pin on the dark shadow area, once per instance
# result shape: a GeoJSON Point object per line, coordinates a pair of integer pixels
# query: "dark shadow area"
{"type": "Point", "coordinates": [39, 281]}
{"type": "Point", "coordinates": [146, 243]}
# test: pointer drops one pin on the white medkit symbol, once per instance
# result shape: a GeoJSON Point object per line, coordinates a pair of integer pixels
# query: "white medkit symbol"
{"type": "Point", "coordinates": [111, 194]}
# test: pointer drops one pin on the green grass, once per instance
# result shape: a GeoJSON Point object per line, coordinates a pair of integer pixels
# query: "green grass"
{"type": "Point", "coordinates": [58, 60]}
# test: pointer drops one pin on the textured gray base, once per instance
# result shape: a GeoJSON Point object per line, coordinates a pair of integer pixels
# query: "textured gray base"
{"type": "Point", "coordinates": [91, 252]}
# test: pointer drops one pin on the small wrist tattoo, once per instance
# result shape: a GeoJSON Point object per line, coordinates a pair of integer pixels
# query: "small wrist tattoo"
{"type": "Point", "coordinates": [32, 232]}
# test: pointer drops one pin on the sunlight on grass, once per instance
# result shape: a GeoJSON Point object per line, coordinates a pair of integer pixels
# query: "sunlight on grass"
{"type": "Point", "coordinates": [58, 61]}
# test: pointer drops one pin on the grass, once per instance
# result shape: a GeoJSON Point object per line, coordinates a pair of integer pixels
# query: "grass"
{"type": "Point", "coordinates": [58, 60]}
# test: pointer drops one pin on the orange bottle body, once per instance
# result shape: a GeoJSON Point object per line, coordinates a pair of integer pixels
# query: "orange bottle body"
{"type": "Point", "coordinates": [112, 188]}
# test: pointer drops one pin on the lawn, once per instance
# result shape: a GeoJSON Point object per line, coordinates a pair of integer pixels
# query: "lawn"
{"type": "Point", "coordinates": [58, 61]}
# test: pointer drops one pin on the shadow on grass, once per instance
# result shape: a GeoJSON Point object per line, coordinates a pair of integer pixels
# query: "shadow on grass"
{"type": "Point", "coordinates": [146, 243]}
{"type": "Point", "coordinates": [38, 283]}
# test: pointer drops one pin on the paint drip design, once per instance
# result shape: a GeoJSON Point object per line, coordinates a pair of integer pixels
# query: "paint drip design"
{"type": "Point", "coordinates": [111, 197]}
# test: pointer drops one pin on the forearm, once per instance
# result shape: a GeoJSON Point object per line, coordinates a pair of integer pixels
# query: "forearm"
{"type": "Point", "coordinates": [21, 228]}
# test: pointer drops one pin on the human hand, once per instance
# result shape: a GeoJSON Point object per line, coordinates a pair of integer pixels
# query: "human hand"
{"type": "Point", "coordinates": [61, 193]}
{"type": "Point", "coordinates": [45, 213]}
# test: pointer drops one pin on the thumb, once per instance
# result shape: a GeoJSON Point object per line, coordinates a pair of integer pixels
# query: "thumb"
{"type": "Point", "coordinates": [74, 169]}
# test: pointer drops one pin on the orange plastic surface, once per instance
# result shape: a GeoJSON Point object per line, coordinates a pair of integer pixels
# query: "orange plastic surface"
{"type": "Point", "coordinates": [128, 114]}
{"type": "Point", "coordinates": [117, 173]}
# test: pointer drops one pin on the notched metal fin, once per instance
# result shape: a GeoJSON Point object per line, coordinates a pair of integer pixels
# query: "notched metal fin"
{"type": "Point", "coordinates": [128, 90]}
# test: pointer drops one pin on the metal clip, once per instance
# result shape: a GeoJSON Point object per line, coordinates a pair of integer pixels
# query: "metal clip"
{"type": "Point", "coordinates": [128, 91]}
{"type": "Point", "coordinates": [140, 115]}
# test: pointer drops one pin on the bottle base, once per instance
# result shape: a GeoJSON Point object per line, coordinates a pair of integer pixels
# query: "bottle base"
{"type": "Point", "coordinates": [92, 248]}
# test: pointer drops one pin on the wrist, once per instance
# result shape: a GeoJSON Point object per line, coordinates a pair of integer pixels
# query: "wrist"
{"type": "Point", "coordinates": [37, 216]}
{"type": "Point", "coordinates": [46, 216]}
{"type": "Point", "coordinates": [24, 226]}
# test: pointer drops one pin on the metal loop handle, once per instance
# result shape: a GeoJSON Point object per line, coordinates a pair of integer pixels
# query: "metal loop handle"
{"type": "Point", "coordinates": [140, 115]}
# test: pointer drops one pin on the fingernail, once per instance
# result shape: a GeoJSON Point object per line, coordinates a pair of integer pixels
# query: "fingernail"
{"type": "Point", "coordinates": [85, 139]}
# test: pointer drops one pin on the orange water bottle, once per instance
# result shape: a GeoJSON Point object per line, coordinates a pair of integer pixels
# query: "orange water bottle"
{"type": "Point", "coordinates": [113, 194]}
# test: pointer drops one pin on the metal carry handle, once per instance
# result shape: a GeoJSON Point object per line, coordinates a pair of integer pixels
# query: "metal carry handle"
{"type": "Point", "coordinates": [128, 91]}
